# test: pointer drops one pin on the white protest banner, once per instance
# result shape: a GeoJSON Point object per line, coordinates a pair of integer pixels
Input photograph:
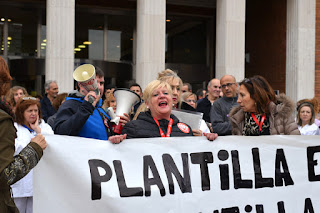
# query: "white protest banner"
{"type": "Point", "coordinates": [266, 174]}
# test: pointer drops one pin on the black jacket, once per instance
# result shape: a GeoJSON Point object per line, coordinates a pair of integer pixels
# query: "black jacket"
{"type": "Point", "coordinates": [146, 127]}
{"type": "Point", "coordinates": [46, 108]}
{"type": "Point", "coordinates": [204, 106]}
{"type": "Point", "coordinates": [185, 106]}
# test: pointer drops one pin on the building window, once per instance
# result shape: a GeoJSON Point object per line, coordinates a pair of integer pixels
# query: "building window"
{"type": "Point", "coordinates": [185, 41]}
{"type": "Point", "coordinates": [22, 21]}
{"type": "Point", "coordinates": [90, 37]}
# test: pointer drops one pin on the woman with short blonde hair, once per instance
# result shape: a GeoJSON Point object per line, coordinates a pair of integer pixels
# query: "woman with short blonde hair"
{"type": "Point", "coordinates": [190, 98]}
{"type": "Point", "coordinates": [157, 120]}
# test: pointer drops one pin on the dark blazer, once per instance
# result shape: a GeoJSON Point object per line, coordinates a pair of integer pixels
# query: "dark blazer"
{"type": "Point", "coordinates": [204, 106]}
{"type": "Point", "coordinates": [46, 108]}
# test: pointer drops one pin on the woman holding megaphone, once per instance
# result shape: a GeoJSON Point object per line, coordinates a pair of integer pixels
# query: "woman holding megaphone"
{"type": "Point", "coordinates": [157, 120]}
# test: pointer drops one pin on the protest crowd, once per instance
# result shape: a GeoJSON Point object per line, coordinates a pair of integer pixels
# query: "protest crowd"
{"type": "Point", "coordinates": [247, 107]}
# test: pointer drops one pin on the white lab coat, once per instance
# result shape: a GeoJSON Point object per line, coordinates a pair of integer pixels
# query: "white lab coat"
{"type": "Point", "coordinates": [24, 187]}
{"type": "Point", "coordinates": [309, 129]}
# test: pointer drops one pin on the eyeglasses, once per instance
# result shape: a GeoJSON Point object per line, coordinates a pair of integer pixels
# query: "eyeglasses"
{"type": "Point", "coordinates": [193, 101]}
{"type": "Point", "coordinates": [223, 86]}
{"type": "Point", "coordinates": [247, 80]}
{"type": "Point", "coordinates": [28, 98]}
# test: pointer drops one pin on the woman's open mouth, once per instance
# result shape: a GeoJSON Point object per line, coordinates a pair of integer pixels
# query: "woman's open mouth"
{"type": "Point", "coordinates": [163, 104]}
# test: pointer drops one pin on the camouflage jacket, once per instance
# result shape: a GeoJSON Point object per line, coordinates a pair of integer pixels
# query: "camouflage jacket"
{"type": "Point", "coordinates": [13, 168]}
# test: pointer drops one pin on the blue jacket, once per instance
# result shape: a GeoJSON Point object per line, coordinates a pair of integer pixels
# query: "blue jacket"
{"type": "Point", "coordinates": [77, 117]}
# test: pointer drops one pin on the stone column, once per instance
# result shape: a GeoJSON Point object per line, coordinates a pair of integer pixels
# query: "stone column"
{"type": "Point", "coordinates": [60, 43]}
{"type": "Point", "coordinates": [151, 29]}
{"type": "Point", "coordinates": [134, 55]}
{"type": "Point", "coordinates": [39, 24]}
{"type": "Point", "coordinates": [5, 39]}
{"type": "Point", "coordinates": [300, 66]}
{"type": "Point", "coordinates": [230, 38]}
{"type": "Point", "coordinates": [105, 38]}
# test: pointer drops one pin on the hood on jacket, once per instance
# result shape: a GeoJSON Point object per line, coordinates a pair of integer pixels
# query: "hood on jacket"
{"type": "Point", "coordinates": [75, 94]}
{"type": "Point", "coordinates": [283, 105]}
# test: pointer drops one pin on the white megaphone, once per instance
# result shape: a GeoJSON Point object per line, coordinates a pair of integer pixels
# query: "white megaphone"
{"type": "Point", "coordinates": [85, 75]}
{"type": "Point", "coordinates": [125, 99]}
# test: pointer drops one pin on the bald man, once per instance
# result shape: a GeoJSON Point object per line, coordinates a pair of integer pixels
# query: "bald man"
{"type": "Point", "coordinates": [220, 109]}
{"type": "Point", "coordinates": [205, 104]}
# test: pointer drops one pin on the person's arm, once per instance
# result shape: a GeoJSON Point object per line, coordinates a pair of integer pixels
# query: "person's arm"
{"type": "Point", "coordinates": [13, 168]}
{"type": "Point", "coordinates": [220, 124]}
{"type": "Point", "coordinates": [22, 163]}
{"type": "Point", "coordinates": [71, 117]}
{"type": "Point", "coordinates": [290, 126]}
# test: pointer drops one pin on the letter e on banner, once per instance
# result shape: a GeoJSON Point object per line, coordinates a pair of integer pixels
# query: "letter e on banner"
{"type": "Point", "coordinates": [184, 128]}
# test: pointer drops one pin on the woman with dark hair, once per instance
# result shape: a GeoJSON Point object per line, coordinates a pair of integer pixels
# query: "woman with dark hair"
{"type": "Point", "coordinates": [13, 168]}
{"type": "Point", "coordinates": [28, 124]}
{"type": "Point", "coordinates": [261, 112]}
{"type": "Point", "coordinates": [306, 113]}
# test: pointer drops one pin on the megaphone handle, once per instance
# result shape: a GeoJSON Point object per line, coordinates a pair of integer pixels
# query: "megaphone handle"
{"type": "Point", "coordinates": [90, 99]}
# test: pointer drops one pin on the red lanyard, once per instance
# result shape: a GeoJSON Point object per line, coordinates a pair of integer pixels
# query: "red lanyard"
{"type": "Point", "coordinates": [168, 130]}
{"type": "Point", "coordinates": [256, 120]}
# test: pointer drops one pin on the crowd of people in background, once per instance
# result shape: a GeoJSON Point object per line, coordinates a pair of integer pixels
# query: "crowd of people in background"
{"type": "Point", "coordinates": [248, 107]}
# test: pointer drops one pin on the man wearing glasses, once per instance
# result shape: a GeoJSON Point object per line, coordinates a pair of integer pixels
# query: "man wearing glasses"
{"type": "Point", "coordinates": [220, 109]}
{"type": "Point", "coordinates": [204, 105]}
